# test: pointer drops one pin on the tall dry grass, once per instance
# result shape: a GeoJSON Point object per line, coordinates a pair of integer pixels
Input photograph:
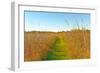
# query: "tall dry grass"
{"type": "Point", "coordinates": [38, 44]}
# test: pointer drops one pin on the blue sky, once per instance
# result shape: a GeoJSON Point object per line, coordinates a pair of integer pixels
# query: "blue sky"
{"type": "Point", "coordinates": [55, 21]}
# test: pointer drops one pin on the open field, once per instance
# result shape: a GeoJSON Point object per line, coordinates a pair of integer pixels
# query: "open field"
{"type": "Point", "coordinates": [75, 44]}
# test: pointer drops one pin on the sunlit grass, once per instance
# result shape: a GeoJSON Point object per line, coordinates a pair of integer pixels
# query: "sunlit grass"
{"type": "Point", "coordinates": [39, 44]}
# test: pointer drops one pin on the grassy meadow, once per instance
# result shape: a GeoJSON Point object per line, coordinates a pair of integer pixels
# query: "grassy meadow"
{"type": "Point", "coordinates": [64, 45]}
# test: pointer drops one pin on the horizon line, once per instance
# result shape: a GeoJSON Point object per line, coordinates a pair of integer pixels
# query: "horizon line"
{"type": "Point", "coordinates": [55, 31]}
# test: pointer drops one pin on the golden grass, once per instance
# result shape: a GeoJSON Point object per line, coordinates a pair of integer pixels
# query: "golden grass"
{"type": "Point", "coordinates": [38, 44]}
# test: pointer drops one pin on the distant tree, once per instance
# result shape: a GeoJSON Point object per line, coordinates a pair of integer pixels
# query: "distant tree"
{"type": "Point", "coordinates": [59, 50]}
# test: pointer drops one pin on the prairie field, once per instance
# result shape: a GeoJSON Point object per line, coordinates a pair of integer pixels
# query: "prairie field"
{"type": "Point", "coordinates": [64, 45]}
